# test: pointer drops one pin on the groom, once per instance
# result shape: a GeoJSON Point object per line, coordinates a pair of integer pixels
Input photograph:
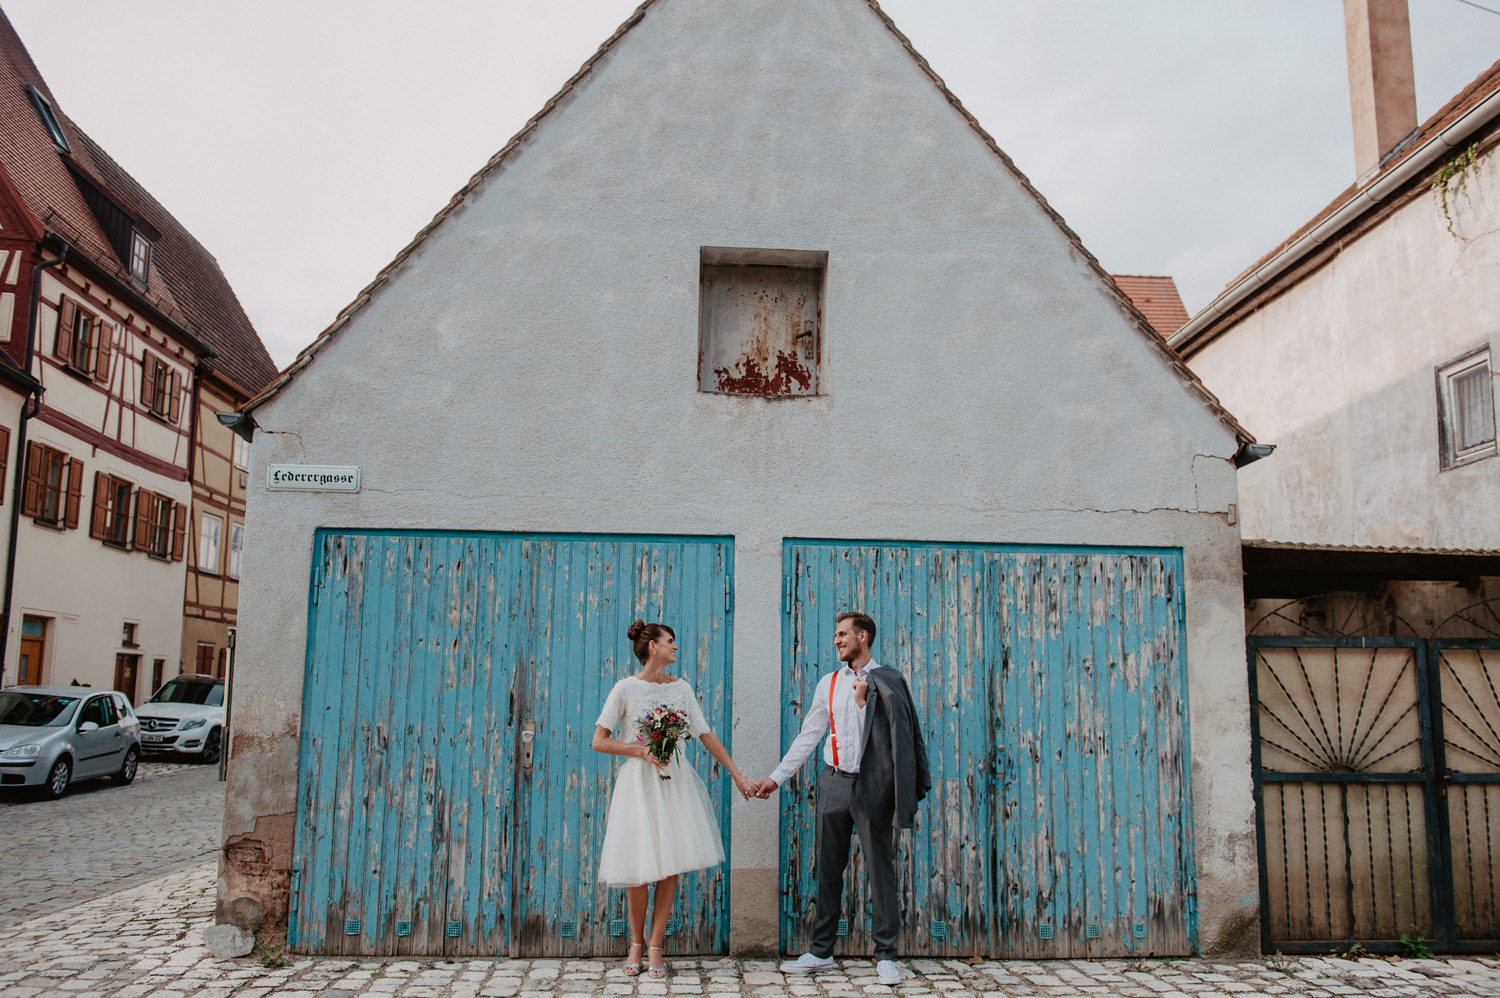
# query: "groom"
{"type": "Point", "coordinates": [874, 773]}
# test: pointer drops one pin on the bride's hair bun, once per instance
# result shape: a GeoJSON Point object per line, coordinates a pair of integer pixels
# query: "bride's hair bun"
{"type": "Point", "coordinates": [641, 635]}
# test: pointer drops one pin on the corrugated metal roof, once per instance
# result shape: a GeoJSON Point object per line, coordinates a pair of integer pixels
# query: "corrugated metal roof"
{"type": "Point", "coordinates": [1265, 545]}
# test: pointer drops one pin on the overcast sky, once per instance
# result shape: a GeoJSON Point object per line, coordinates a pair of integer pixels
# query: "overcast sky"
{"type": "Point", "coordinates": [304, 142]}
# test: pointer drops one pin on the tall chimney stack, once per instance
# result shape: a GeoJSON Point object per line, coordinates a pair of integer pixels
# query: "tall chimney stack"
{"type": "Point", "coordinates": [1382, 88]}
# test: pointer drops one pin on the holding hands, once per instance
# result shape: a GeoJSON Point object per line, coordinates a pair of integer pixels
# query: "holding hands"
{"type": "Point", "coordinates": [763, 788]}
{"type": "Point", "coordinates": [754, 789]}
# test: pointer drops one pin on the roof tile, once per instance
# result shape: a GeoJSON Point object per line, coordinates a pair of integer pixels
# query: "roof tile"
{"type": "Point", "coordinates": [1156, 298]}
{"type": "Point", "coordinates": [186, 284]}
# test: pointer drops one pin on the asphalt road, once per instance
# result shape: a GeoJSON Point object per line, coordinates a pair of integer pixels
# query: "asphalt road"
{"type": "Point", "coordinates": [101, 838]}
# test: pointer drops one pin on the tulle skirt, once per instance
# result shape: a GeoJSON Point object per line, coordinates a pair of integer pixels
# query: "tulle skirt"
{"type": "Point", "coordinates": [658, 827]}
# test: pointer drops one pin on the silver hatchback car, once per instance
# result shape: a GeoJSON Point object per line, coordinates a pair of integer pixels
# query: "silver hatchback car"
{"type": "Point", "coordinates": [53, 735]}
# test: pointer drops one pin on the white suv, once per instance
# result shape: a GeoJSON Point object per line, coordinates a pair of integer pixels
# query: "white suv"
{"type": "Point", "coordinates": [185, 716]}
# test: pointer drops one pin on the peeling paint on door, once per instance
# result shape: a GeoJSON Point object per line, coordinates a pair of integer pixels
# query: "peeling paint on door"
{"type": "Point", "coordinates": [1050, 685]}
{"type": "Point", "coordinates": [420, 828]}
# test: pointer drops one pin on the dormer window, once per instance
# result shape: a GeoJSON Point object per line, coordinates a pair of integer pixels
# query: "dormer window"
{"type": "Point", "coordinates": [140, 257]}
{"type": "Point", "coordinates": [44, 111]}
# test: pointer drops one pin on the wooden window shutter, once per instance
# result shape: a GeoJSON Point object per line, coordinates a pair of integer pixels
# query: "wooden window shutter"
{"type": "Point", "coordinates": [99, 522]}
{"type": "Point", "coordinates": [179, 530]}
{"type": "Point", "coordinates": [106, 338]}
{"type": "Point", "coordinates": [145, 502]}
{"type": "Point", "coordinates": [31, 503]}
{"type": "Point", "coordinates": [4, 459]}
{"type": "Point", "coordinates": [174, 393]}
{"type": "Point", "coordinates": [148, 380]}
{"type": "Point", "coordinates": [75, 492]}
{"type": "Point", "coordinates": [67, 314]}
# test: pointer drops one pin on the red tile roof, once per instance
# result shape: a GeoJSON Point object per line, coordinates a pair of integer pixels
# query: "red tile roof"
{"type": "Point", "coordinates": [186, 285]}
{"type": "Point", "coordinates": [1156, 298]}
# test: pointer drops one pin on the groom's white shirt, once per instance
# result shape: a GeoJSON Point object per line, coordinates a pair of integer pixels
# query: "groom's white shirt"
{"type": "Point", "coordinates": [848, 721]}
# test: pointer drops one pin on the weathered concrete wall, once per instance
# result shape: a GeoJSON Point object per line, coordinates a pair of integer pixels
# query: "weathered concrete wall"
{"type": "Point", "coordinates": [1339, 373]}
{"type": "Point", "coordinates": [533, 367]}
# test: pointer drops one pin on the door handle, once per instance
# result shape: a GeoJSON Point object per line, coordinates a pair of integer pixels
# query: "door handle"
{"type": "Point", "coordinates": [528, 739]}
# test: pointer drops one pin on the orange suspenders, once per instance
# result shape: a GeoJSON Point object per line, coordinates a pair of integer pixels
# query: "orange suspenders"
{"type": "Point", "coordinates": [832, 684]}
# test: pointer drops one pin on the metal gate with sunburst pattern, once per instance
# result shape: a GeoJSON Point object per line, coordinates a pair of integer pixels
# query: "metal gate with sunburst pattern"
{"type": "Point", "coordinates": [1377, 783]}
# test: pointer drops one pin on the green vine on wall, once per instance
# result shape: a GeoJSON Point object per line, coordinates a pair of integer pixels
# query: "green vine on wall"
{"type": "Point", "coordinates": [1453, 179]}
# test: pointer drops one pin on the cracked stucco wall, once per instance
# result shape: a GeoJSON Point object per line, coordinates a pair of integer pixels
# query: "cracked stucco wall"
{"type": "Point", "coordinates": [533, 367]}
{"type": "Point", "coordinates": [1339, 373]}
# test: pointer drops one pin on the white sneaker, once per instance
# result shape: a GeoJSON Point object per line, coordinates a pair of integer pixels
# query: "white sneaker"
{"type": "Point", "coordinates": [887, 972]}
{"type": "Point", "coordinates": [808, 964]}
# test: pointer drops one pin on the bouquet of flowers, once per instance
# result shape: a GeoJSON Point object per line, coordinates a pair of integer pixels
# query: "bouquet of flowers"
{"type": "Point", "coordinates": [661, 730]}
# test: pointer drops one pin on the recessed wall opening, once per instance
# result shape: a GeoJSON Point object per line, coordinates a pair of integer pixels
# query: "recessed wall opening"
{"type": "Point", "coordinates": [760, 321]}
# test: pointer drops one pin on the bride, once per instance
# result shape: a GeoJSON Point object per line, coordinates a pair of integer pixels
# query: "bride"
{"type": "Point", "coordinates": [657, 828]}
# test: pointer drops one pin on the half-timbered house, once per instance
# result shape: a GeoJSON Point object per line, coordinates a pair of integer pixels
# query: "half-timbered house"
{"type": "Point", "coordinates": [115, 311]}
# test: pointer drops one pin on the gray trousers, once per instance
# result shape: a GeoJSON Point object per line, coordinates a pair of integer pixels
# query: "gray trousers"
{"type": "Point", "coordinates": [839, 813]}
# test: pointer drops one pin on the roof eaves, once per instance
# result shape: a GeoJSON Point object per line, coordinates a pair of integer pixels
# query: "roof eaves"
{"type": "Point", "coordinates": [309, 352]}
{"type": "Point", "coordinates": [12, 372]}
{"type": "Point", "coordinates": [173, 324]}
{"type": "Point", "coordinates": [1184, 373]}
{"type": "Point", "coordinates": [1469, 112]}
{"type": "Point", "coordinates": [1142, 324]}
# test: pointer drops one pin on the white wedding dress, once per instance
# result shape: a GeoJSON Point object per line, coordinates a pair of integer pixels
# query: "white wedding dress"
{"type": "Point", "coordinates": [656, 827]}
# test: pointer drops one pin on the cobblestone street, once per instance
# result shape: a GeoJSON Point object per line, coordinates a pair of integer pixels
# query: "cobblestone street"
{"type": "Point", "coordinates": [100, 838]}
{"type": "Point", "coordinates": [147, 942]}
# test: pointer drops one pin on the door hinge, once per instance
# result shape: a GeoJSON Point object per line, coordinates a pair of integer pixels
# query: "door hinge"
{"type": "Point", "coordinates": [317, 579]}
{"type": "Point", "coordinates": [728, 598]}
{"type": "Point", "coordinates": [786, 595]}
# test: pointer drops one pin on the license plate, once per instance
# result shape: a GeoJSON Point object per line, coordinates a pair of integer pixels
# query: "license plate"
{"type": "Point", "coordinates": [152, 739]}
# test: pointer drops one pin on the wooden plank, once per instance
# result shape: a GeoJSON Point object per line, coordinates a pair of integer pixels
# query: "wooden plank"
{"type": "Point", "coordinates": [392, 648]}
{"type": "Point", "coordinates": [362, 759]}
{"type": "Point", "coordinates": [407, 883]}
{"type": "Point", "coordinates": [466, 738]}
{"type": "Point", "coordinates": [429, 635]}
{"type": "Point", "coordinates": [310, 849]}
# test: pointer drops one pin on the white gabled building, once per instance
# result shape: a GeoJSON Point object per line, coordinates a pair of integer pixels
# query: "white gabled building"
{"type": "Point", "coordinates": [752, 323]}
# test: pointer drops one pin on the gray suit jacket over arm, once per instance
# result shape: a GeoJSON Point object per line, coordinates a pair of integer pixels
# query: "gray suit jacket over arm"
{"type": "Point", "coordinates": [893, 767]}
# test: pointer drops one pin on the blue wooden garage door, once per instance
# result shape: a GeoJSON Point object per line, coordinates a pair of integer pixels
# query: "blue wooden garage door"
{"type": "Point", "coordinates": [1050, 685]}
{"type": "Point", "coordinates": [424, 825]}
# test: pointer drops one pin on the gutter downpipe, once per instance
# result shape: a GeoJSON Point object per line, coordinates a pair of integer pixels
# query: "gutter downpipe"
{"type": "Point", "coordinates": [1428, 153]}
{"type": "Point", "coordinates": [28, 411]}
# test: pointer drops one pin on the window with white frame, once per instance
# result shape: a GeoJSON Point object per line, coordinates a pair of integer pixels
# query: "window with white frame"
{"type": "Point", "coordinates": [236, 544]}
{"type": "Point", "coordinates": [241, 453]}
{"type": "Point", "coordinates": [1466, 409]}
{"type": "Point", "coordinates": [140, 257]}
{"type": "Point", "coordinates": [209, 539]}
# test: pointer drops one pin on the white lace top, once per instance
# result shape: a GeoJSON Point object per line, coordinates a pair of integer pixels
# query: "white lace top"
{"type": "Point", "coordinates": [633, 698]}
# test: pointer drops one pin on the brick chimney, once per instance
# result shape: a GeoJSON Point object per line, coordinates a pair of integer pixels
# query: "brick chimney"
{"type": "Point", "coordinates": [1382, 90]}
